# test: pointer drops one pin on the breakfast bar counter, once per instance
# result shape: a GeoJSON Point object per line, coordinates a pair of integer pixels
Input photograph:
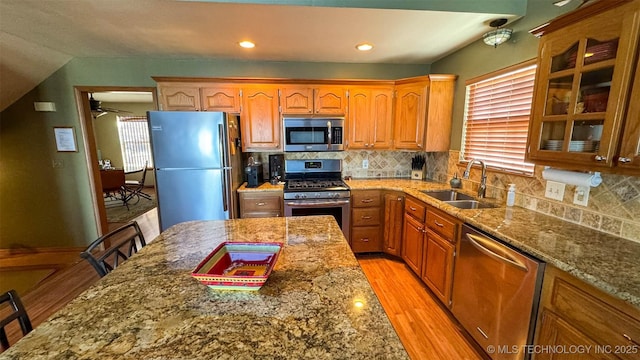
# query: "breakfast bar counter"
{"type": "Point", "coordinates": [316, 304]}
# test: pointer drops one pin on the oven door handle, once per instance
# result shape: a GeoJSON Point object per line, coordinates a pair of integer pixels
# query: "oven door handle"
{"type": "Point", "coordinates": [316, 204]}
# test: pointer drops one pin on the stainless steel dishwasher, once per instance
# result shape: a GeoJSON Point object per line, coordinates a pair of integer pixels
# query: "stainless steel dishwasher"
{"type": "Point", "coordinates": [496, 290]}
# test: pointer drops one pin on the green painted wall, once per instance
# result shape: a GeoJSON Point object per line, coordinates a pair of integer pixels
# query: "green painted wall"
{"type": "Point", "coordinates": [478, 58]}
{"type": "Point", "coordinates": [43, 206]}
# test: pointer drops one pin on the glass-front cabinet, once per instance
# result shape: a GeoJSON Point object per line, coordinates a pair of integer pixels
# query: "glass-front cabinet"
{"type": "Point", "coordinates": [585, 72]}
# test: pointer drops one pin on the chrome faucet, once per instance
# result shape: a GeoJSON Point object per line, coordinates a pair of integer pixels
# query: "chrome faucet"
{"type": "Point", "coordinates": [483, 180]}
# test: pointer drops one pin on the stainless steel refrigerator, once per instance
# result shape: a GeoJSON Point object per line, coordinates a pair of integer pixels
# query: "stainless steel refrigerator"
{"type": "Point", "coordinates": [197, 165]}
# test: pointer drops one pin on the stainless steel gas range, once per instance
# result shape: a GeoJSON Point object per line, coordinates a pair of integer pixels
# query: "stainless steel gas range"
{"type": "Point", "coordinates": [315, 187]}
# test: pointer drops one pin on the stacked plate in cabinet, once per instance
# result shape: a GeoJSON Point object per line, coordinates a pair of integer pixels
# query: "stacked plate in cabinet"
{"type": "Point", "coordinates": [583, 146]}
{"type": "Point", "coordinates": [555, 145]}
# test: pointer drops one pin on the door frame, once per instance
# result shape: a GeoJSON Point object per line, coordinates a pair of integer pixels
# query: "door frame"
{"type": "Point", "coordinates": [89, 139]}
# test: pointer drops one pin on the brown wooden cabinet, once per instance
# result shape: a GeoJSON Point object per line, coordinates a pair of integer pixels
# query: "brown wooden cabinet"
{"type": "Point", "coordinates": [393, 219]}
{"type": "Point", "coordinates": [366, 221]}
{"type": "Point", "coordinates": [260, 119]}
{"type": "Point", "coordinates": [441, 238]}
{"type": "Point", "coordinates": [586, 61]}
{"type": "Point", "coordinates": [258, 204]}
{"type": "Point", "coordinates": [302, 99]}
{"type": "Point", "coordinates": [573, 313]}
{"type": "Point", "coordinates": [413, 233]}
{"type": "Point", "coordinates": [370, 118]}
{"type": "Point", "coordinates": [180, 97]}
{"type": "Point", "coordinates": [199, 97]}
{"type": "Point", "coordinates": [423, 110]}
{"type": "Point", "coordinates": [629, 156]}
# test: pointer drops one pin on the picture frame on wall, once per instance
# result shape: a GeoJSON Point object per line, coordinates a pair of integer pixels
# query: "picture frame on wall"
{"type": "Point", "coordinates": [65, 139]}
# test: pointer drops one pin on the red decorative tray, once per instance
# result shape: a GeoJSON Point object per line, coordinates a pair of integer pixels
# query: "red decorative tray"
{"type": "Point", "coordinates": [238, 266]}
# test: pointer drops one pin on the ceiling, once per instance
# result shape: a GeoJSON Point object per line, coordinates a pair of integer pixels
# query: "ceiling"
{"type": "Point", "coordinates": [38, 37]}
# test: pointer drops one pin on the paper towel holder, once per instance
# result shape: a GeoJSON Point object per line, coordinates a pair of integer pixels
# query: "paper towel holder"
{"type": "Point", "coordinates": [591, 179]}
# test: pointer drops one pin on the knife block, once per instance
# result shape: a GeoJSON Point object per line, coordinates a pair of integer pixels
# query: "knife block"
{"type": "Point", "coordinates": [417, 174]}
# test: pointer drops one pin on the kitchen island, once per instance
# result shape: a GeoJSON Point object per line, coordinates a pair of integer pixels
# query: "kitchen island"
{"type": "Point", "coordinates": [317, 303]}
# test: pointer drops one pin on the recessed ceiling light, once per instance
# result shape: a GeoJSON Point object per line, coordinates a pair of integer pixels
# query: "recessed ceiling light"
{"type": "Point", "coordinates": [247, 44]}
{"type": "Point", "coordinates": [364, 47]}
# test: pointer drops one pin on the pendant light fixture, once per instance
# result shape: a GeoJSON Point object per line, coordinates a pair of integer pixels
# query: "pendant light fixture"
{"type": "Point", "coordinates": [499, 35]}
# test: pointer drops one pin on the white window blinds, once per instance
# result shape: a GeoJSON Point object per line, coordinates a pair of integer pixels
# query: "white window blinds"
{"type": "Point", "coordinates": [134, 142]}
{"type": "Point", "coordinates": [497, 113]}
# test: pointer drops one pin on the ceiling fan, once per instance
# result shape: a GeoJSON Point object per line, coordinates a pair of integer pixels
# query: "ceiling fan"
{"type": "Point", "coordinates": [97, 110]}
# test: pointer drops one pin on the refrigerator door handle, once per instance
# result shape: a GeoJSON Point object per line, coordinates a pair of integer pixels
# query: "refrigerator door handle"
{"type": "Point", "coordinates": [221, 145]}
{"type": "Point", "coordinates": [225, 190]}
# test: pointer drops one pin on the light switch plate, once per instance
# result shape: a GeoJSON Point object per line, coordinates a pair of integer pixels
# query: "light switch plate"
{"type": "Point", "coordinates": [365, 164]}
{"type": "Point", "coordinates": [581, 195]}
{"type": "Point", "coordinates": [554, 190]}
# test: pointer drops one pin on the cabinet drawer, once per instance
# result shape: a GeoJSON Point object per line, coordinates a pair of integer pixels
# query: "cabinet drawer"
{"type": "Point", "coordinates": [366, 239]}
{"type": "Point", "coordinates": [366, 198]}
{"type": "Point", "coordinates": [365, 216]}
{"type": "Point", "coordinates": [441, 224]}
{"type": "Point", "coordinates": [256, 214]}
{"type": "Point", "coordinates": [415, 208]}
{"type": "Point", "coordinates": [262, 203]}
{"type": "Point", "coordinates": [593, 316]}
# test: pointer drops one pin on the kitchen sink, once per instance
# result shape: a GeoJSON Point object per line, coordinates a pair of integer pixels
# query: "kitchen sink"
{"type": "Point", "coordinates": [469, 204]}
{"type": "Point", "coordinates": [447, 195]}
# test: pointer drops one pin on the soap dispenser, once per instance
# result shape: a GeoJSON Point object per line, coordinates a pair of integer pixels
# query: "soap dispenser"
{"type": "Point", "coordinates": [511, 195]}
{"type": "Point", "coordinates": [455, 183]}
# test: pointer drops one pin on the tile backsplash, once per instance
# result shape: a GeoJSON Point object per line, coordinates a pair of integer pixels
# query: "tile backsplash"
{"type": "Point", "coordinates": [613, 207]}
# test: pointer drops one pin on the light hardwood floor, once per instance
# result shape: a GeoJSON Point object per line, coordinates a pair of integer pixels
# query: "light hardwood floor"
{"type": "Point", "coordinates": [425, 328]}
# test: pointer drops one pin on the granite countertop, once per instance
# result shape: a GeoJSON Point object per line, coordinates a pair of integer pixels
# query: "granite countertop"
{"type": "Point", "coordinates": [151, 308]}
{"type": "Point", "coordinates": [267, 186]}
{"type": "Point", "coordinates": [608, 262]}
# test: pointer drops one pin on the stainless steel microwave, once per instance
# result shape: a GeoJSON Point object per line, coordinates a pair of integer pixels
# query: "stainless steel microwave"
{"type": "Point", "coordinates": [313, 134]}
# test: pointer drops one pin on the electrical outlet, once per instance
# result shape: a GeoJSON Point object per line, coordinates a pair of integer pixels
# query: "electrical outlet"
{"type": "Point", "coordinates": [581, 195]}
{"type": "Point", "coordinates": [554, 190]}
{"type": "Point", "coordinates": [365, 164]}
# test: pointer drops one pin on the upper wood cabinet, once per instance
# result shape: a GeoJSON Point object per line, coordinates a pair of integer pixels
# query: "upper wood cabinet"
{"type": "Point", "coordinates": [260, 119]}
{"type": "Point", "coordinates": [423, 112]}
{"type": "Point", "coordinates": [324, 100]}
{"type": "Point", "coordinates": [629, 155]}
{"type": "Point", "coordinates": [199, 97]}
{"type": "Point", "coordinates": [370, 118]}
{"type": "Point", "coordinates": [586, 62]}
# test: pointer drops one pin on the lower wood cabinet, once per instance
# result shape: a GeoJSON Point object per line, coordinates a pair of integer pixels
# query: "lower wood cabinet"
{"type": "Point", "coordinates": [413, 243]}
{"type": "Point", "coordinates": [393, 218]}
{"type": "Point", "coordinates": [366, 221]}
{"type": "Point", "coordinates": [437, 269]}
{"type": "Point", "coordinates": [261, 204]}
{"type": "Point", "coordinates": [574, 313]}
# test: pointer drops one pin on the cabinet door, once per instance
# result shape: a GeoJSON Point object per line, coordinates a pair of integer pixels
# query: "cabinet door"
{"type": "Point", "coordinates": [330, 100]}
{"type": "Point", "coordinates": [267, 204]}
{"type": "Point", "coordinates": [412, 243]}
{"type": "Point", "coordinates": [296, 99]}
{"type": "Point", "coordinates": [629, 157]}
{"type": "Point", "coordinates": [557, 333]}
{"type": "Point", "coordinates": [179, 97]}
{"type": "Point", "coordinates": [582, 86]}
{"type": "Point", "coordinates": [221, 98]}
{"type": "Point", "coordinates": [261, 130]}
{"type": "Point", "coordinates": [439, 112]}
{"type": "Point", "coordinates": [437, 266]}
{"type": "Point", "coordinates": [393, 213]}
{"type": "Point", "coordinates": [410, 117]}
{"type": "Point", "coordinates": [381, 121]}
{"type": "Point", "coordinates": [359, 118]}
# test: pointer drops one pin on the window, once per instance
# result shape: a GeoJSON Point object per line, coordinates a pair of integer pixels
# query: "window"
{"type": "Point", "coordinates": [496, 119]}
{"type": "Point", "coordinates": [134, 142]}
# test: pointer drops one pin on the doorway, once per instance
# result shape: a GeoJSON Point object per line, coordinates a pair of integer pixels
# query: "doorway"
{"type": "Point", "coordinates": [99, 131]}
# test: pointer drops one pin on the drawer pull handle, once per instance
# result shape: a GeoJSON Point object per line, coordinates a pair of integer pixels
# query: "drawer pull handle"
{"type": "Point", "coordinates": [366, 217]}
{"type": "Point", "coordinates": [260, 203]}
{"type": "Point", "coordinates": [437, 223]}
{"type": "Point", "coordinates": [367, 200]}
{"type": "Point", "coordinates": [629, 339]}
{"type": "Point", "coordinates": [364, 239]}
{"type": "Point", "coordinates": [412, 208]}
{"type": "Point", "coordinates": [624, 160]}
